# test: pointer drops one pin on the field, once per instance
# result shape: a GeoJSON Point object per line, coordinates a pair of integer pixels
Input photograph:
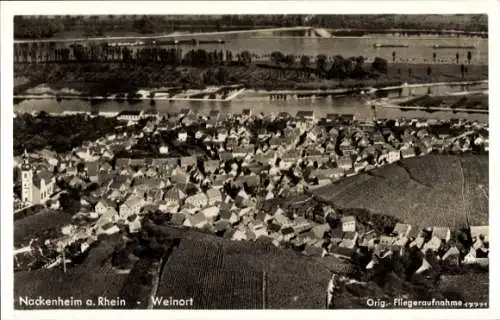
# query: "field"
{"type": "Point", "coordinates": [424, 191]}
{"type": "Point", "coordinates": [39, 224]}
{"type": "Point", "coordinates": [224, 274]}
{"type": "Point", "coordinates": [90, 280]}
{"type": "Point", "coordinates": [477, 285]}
{"type": "Point", "coordinates": [476, 174]}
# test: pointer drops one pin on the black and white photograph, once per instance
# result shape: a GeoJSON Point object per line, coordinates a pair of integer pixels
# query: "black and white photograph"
{"type": "Point", "coordinates": [248, 161]}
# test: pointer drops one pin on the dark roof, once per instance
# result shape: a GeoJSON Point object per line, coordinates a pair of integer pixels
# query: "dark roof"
{"type": "Point", "coordinates": [92, 168]}
{"type": "Point", "coordinates": [305, 113]}
{"type": "Point", "coordinates": [43, 175]}
{"type": "Point", "coordinates": [273, 227]}
{"type": "Point", "coordinates": [287, 230]}
{"type": "Point", "coordinates": [225, 214]}
{"type": "Point", "coordinates": [178, 218]}
{"type": "Point", "coordinates": [129, 113]}
{"type": "Point", "coordinates": [122, 162]}
{"type": "Point", "coordinates": [332, 116]}
{"type": "Point", "coordinates": [347, 117]}
{"type": "Point", "coordinates": [344, 251]}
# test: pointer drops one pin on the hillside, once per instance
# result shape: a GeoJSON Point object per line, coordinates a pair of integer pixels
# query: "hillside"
{"type": "Point", "coordinates": [435, 190]}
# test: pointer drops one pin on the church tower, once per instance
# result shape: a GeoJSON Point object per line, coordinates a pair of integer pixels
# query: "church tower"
{"type": "Point", "coordinates": [26, 179]}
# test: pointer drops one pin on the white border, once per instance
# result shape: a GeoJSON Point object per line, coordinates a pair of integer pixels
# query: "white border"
{"type": "Point", "coordinates": [10, 8]}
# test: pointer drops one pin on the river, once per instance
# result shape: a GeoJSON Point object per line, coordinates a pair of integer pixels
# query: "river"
{"type": "Point", "coordinates": [342, 105]}
{"type": "Point", "coordinates": [419, 50]}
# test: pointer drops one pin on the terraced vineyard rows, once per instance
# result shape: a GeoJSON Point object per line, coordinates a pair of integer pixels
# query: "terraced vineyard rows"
{"type": "Point", "coordinates": [423, 191]}
{"type": "Point", "coordinates": [186, 269]}
{"type": "Point", "coordinates": [337, 188]}
{"type": "Point", "coordinates": [476, 189]}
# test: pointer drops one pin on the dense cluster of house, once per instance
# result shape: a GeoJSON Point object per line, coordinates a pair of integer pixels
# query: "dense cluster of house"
{"type": "Point", "coordinates": [353, 239]}
{"type": "Point", "coordinates": [225, 192]}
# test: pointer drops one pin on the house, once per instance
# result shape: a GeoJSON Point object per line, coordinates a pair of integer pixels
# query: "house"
{"type": "Point", "coordinates": [239, 235]}
{"type": "Point", "coordinates": [343, 253]}
{"type": "Point", "coordinates": [418, 242]}
{"type": "Point", "coordinates": [407, 152]}
{"type": "Point", "coordinates": [349, 240]}
{"type": "Point", "coordinates": [434, 244]}
{"type": "Point", "coordinates": [392, 155]}
{"type": "Point", "coordinates": [132, 205]}
{"type": "Point", "coordinates": [345, 162]}
{"type": "Point", "coordinates": [198, 200]}
{"type": "Point", "coordinates": [348, 224]}
{"type": "Point", "coordinates": [402, 229]}
{"type": "Point", "coordinates": [103, 206]}
{"type": "Point", "coordinates": [479, 233]}
{"type": "Point", "coordinates": [177, 219]}
{"type": "Point", "coordinates": [399, 244]}
{"type": "Point", "coordinates": [473, 258]}
{"type": "Point", "coordinates": [452, 256]}
{"type": "Point", "coordinates": [149, 127]}
{"type": "Point", "coordinates": [229, 216]}
{"type": "Point", "coordinates": [319, 231]}
{"type": "Point", "coordinates": [256, 232]}
{"type": "Point", "coordinates": [188, 161]}
{"type": "Point", "coordinates": [281, 219]}
{"type": "Point", "coordinates": [108, 229]}
{"type": "Point", "coordinates": [214, 196]}
{"type": "Point", "coordinates": [385, 242]}
{"type": "Point", "coordinates": [182, 135]}
{"type": "Point", "coordinates": [163, 149]}
{"type": "Point", "coordinates": [211, 213]}
{"type": "Point", "coordinates": [305, 115]}
{"type": "Point", "coordinates": [129, 115]}
{"type": "Point", "coordinates": [196, 221]}
{"type": "Point", "coordinates": [122, 163]}
{"type": "Point", "coordinates": [288, 233]}
{"type": "Point", "coordinates": [442, 233]}
{"type": "Point", "coordinates": [423, 267]}
{"type": "Point", "coordinates": [105, 167]}
{"type": "Point", "coordinates": [174, 197]}
{"type": "Point", "coordinates": [211, 166]}
{"type": "Point", "coordinates": [367, 240]}
{"type": "Point", "coordinates": [76, 182]}
{"type": "Point", "coordinates": [134, 223]}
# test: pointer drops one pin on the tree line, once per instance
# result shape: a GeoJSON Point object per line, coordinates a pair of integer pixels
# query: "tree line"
{"type": "Point", "coordinates": [47, 52]}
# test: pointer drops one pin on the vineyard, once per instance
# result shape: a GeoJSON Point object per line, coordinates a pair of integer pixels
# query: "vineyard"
{"type": "Point", "coordinates": [224, 274]}
{"type": "Point", "coordinates": [476, 175]}
{"type": "Point", "coordinates": [79, 283]}
{"type": "Point", "coordinates": [197, 269]}
{"type": "Point", "coordinates": [421, 191]}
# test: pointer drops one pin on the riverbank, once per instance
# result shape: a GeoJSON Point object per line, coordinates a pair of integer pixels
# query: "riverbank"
{"type": "Point", "coordinates": [236, 92]}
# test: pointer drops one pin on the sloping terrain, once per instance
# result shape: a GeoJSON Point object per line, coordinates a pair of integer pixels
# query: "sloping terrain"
{"type": "Point", "coordinates": [435, 190]}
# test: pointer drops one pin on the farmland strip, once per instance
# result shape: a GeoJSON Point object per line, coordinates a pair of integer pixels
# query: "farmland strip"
{"type": "Point", "coordinates": [466, 211]}
{"type": "Point", "coordinates": [264, 289]}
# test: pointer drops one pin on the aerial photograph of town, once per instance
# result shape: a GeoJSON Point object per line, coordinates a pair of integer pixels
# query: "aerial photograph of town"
{"type": "Point", "coordinates": [269, 161]}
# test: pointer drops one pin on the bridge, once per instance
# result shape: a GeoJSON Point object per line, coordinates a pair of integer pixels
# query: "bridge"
{"type": "Point", "coordinates": [307, 31]}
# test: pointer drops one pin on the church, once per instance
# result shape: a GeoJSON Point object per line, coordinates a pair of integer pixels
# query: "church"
{"type": "Point", "coordinates": [37, 187]}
